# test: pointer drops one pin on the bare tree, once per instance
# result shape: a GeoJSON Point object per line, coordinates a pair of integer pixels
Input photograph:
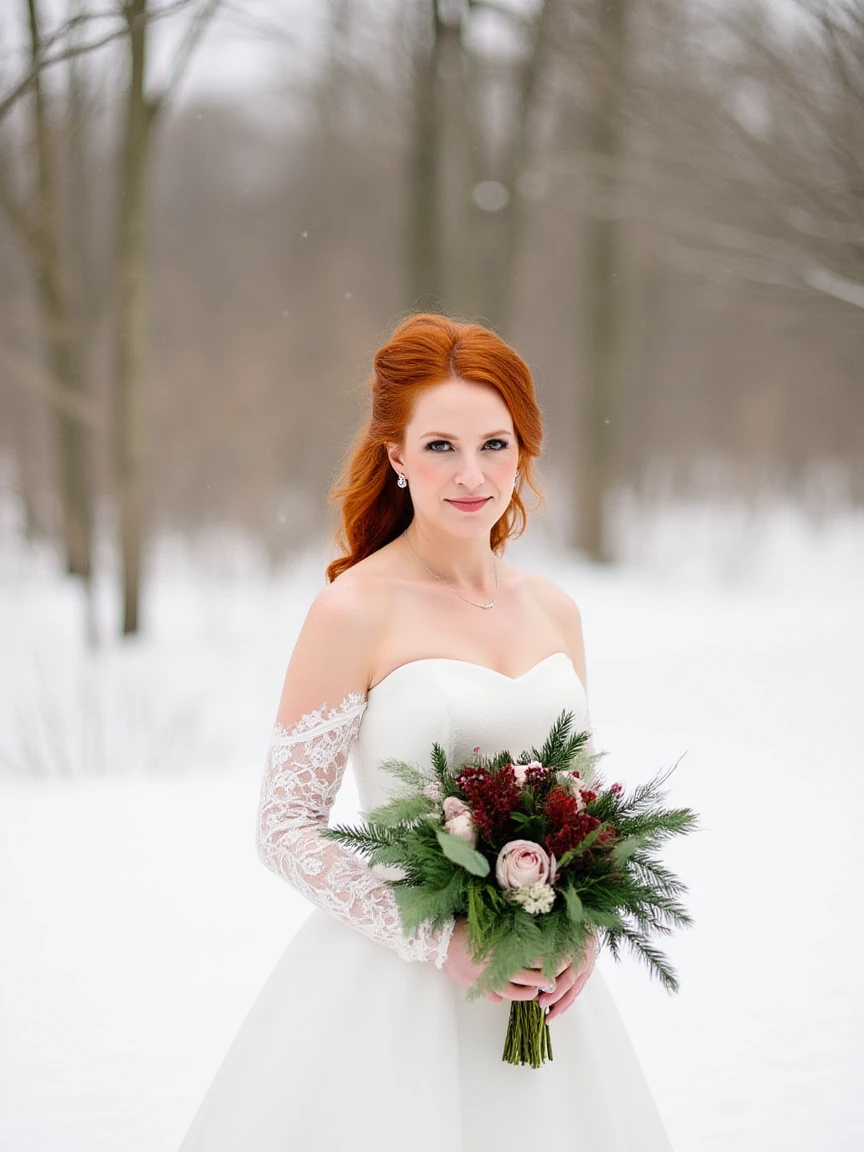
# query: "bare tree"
{"type": "Point", "coordinates": [142, 114]}
{"type": "Point", "coordinates": [424, 243]}
{"type": "Point", "coordinates": [49, 236]}
{"type": "Point", "coordinates": [602, 264]}
{"type": "Point", "coordinates": [36, 214]}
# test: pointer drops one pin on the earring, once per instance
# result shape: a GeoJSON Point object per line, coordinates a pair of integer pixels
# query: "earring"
{"type": "Point", "coordinates": [402, 482]}
{"type": "Point", "coordinates": [515, 479]}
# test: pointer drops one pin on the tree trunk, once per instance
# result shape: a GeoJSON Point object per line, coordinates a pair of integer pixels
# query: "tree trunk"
{"type": "Point", "coordinates": [602, 299]}
{"type": "Point", "coordinates": [425, 274]}
{"type": "Point", "coordinates": [130, 415]}
{"type": "Point", "coordinates": [59, 321]}
{"type": "Point", "coordinates": [503, 229]}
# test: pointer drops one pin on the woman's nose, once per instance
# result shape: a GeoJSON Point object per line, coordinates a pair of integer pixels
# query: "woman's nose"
{"type": "Point", "coordinates": [470, 473]}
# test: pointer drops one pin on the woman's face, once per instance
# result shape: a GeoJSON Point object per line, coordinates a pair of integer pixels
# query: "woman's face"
{"type": "Point", "coordinates": [459, 444]}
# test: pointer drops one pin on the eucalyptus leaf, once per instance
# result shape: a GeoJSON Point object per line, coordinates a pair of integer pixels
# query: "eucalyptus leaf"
{"type": "Point", "coordinates": [461, 852]}
{"type": "Point", "coordinates": [575, 908]}
{"type": "Point", "coordinates": [625, 849]}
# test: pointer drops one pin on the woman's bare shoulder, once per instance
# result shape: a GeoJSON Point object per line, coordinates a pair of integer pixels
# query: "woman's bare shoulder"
{"type": "Point", "coordinates": [560, 608]}
{"type": "Point", "coordinates": [546, 592]}
{"type": "Point", "coordinates": [333, 656]}
{"type": "Point", "coordinates": [360, 593]}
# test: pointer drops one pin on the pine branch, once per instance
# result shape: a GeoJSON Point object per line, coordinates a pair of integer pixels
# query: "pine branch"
{"type": "Point", "coordinates": [410, 774]}
{"type": "Point", "coordinates": [658, 826]}
{"type": "Point", "coordinates": [365, 840]}
{"type": "Point", "coordinates": [440, 766]}
{"type": "Point", "coordinates": [403, 810]}
{"type": "Point", "coordinates": [556, 741]}
{"type": "Point", "coordinates": [656, 962]}
{"type": "Point", "coordinates": [652, 872]}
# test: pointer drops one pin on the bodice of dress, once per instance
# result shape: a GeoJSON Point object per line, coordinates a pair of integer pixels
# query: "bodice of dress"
{"type": "Point", "coordinates": [459, 705]}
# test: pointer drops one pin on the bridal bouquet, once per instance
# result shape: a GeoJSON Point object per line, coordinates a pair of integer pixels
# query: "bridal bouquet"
{"type": "Point", "coordinates": [536, 854]}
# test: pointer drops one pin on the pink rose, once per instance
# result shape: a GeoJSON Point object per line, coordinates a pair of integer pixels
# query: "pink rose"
{"type": "Point", "coordinates": [453, 806]}
{"type": "Point", "coordinates": [522, 862]}
{"type": "Point", "coordinates": [463, 827]}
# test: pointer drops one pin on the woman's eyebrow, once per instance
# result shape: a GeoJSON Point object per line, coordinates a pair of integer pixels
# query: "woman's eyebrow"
{"type": "Point", "coordinates": [485, 436]}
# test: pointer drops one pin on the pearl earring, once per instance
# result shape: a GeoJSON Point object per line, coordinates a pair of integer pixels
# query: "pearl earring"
{"type": "Point", "coordinates": [402, 482]}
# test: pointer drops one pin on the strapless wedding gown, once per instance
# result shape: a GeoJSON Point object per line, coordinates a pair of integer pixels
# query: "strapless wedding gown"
{"type": "Point", "coordinates": [359, 1041]}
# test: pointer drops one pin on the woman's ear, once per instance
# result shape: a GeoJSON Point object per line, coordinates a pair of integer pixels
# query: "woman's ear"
{"type": "Point", "coordinates": [394, 455]}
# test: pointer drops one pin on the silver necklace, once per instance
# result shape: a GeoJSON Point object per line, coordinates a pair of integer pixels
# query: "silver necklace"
{"type": "Point", "coordinates": [453, 586]}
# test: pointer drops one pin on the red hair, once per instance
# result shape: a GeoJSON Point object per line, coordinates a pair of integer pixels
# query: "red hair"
{"type": "Point", "coordinates": [426, 349]}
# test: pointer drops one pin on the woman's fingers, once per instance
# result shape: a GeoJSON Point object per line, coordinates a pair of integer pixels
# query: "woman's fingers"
{"type": "Point", "coordinates": [529, 976]}
{"type": "Point", "coordinates": [520, 991]}
{"type": "Point", "coordinates": [568, 981]}
{"type": "Point", "coordinates": [562, 1005]}
{"type": "Point", "coordinates": [562, 985]}
{"type": "Point", "coordinates": [570, 995]}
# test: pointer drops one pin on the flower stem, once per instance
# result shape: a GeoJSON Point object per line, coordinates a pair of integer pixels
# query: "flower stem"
{"type": "Point", "coordinates": [528, 1039]}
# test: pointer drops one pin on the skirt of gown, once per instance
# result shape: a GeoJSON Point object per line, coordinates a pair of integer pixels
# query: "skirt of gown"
{"type": "Point", "coordinates": [348, 1046]}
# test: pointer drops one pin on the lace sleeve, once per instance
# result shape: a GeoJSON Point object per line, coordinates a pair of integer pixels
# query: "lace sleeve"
{"type": "Point", "coordinates": [304, 770]}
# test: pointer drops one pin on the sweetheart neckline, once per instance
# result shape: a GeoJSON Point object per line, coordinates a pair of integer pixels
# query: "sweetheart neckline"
{"type": "Point", "coordinates": [473, 664]}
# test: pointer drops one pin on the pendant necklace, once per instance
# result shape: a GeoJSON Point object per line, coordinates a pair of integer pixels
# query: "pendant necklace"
{"type": "Point", "coordinates": [453, 586]}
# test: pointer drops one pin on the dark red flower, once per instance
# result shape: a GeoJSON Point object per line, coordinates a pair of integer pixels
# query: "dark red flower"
{"type": "Point", "coordinates": [608, 836]}
{"type": "Point", "coordinates": [568, 826]}
{"type": "Point", "coordinates": [493, 797]}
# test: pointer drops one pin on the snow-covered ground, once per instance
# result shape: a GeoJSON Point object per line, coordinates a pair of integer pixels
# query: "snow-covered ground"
{"type": "Point", "coordinates": [138, 924]}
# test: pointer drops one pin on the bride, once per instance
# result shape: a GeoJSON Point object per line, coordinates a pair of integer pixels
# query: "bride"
{"type": "Point", "coordinates": [362, 1037]}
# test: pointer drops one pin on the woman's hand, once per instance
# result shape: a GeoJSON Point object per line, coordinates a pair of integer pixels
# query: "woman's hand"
{"type": "Point", "coordinates": [524, 984]}
{"type": "Point", "coordinates": [569, 982]}
{"type": "Point", "coordinates": [458, 964]}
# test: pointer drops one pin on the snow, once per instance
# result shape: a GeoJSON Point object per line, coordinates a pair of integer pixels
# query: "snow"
{"type": "Point", "coordinates": [138, 924]}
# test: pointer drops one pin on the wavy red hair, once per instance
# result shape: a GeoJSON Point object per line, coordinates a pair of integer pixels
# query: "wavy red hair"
{"type": "Point", "coordinates": [424, 350]}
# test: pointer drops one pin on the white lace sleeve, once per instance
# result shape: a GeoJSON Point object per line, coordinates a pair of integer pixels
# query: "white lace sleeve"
{"type": "Point", "coordinates": [304, 770]}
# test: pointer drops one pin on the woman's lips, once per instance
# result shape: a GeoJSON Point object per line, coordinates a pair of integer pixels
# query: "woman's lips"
{"type": "Point", "coordinates": [469, 505]}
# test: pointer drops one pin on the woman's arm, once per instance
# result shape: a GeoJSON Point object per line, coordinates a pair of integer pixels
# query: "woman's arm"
{"type": "Point", "coordinates": [317, 722]}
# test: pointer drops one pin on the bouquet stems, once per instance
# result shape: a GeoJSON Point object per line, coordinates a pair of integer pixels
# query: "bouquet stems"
{"type": "Point", "coordinates": [528, 1039]}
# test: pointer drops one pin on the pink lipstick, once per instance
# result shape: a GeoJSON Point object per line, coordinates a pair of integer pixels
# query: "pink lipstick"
{"type": "Point", "coordinates": [469, 505]}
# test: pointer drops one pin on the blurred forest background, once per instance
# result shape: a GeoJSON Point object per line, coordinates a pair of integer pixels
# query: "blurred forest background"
{"type": "Point", "coordinates": [211, 214]}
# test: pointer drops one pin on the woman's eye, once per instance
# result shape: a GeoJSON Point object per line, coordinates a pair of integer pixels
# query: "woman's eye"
{"type": "Point", "coordinates": [433, 443]}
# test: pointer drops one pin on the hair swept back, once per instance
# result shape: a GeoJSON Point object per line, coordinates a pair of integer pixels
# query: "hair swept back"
{"type": "Point", "coordinates": [426, 349]}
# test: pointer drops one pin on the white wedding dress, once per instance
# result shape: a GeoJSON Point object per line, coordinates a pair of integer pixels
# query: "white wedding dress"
{"type": "Point", "coordinates": [359, 1041]}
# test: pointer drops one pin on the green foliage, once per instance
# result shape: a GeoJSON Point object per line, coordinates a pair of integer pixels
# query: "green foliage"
{"type": "Point", "coordinates": [575, 908]}
{"type": "Point", "coordinates": [460, 852]}
{"type": "Point", "coordinates": [657, 964]}
{"type": "Point", "coordinates": [497, 762]}
{"type": "Point", "coordinates": [625, 849]}
{"type": "Point", "coordinates": [440, 768]}
{"type": "Point", "coordinates": [560, 747]}
{"type": "Point", "coordinates": [409, 774]}
{"type": "Point", "coordinates": [424, 905]}
{"type": "Point", "coordinates": [365, 840]}
{"type": "Point", "coordinates": [516, 940]}
{"type": "Point", "coordinates": [402, 810]}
